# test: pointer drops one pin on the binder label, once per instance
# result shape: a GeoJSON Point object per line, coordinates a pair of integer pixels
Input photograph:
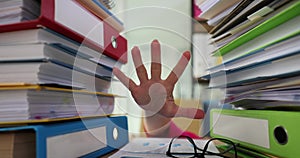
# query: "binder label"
{"type": "Point", "coordinates": [76, 144]}
{"type": "Point", "coordinates": [71, 14]}
{"type": "Point", "coordinates": [249, 130]}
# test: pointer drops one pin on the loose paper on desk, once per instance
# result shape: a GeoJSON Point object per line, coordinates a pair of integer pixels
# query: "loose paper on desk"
{"type": "Point", "coordinates": [157, 147]}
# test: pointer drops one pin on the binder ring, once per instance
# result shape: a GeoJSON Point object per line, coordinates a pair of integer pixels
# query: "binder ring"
{"type": "Point", "coordinates": [281, 135]}
{"type": "Point", "coordinates": [115, 133]}
{"type": "Point", "coordinates": [114, 42]}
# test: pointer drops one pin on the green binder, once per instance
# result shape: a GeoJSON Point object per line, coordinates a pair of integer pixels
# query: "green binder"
{"type": "Point", "coordinates": [273, 132]}
{"type": "Point", "coordinates": [271, 23]}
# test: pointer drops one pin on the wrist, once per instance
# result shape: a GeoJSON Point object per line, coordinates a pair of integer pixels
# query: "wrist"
{"type": "Point", "coordinates": [156, 125]}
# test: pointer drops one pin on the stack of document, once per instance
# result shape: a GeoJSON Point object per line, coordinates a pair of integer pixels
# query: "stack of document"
{"type": "Point", "coordinates": [53, 68]}
{"type": "Point", "coordinates": [241, 17]}
{"type": "Point", "coordinates": [40, 56]}
{"type": "Point", "coordinates": [258, 41]}
{"type": "Point", "coordinates": [22, 103]}
{"type": "Point", "coordinates": [260, 63]}
{"type": "Point", "coordinates": [56, 62]}
{"type": "Point", "coordinates": [212, 8]}
{"type": "Point", "coordinates": [18, 10]}
{"type": "Point", "coordinates": [157, 147]}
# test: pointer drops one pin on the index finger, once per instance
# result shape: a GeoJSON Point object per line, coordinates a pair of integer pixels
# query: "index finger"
{"type": "Point", "coordinates": [124, 79]}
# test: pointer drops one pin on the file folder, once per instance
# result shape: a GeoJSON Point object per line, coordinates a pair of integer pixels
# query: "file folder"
{"type": "Point", "coordinates": [278, 19]}
{"type": "Point", "coordinates": [89, 137]}
{"type": "Point", "coordinates": [272, 132]}
{"type": "Point", "coordinates": [72, 20]}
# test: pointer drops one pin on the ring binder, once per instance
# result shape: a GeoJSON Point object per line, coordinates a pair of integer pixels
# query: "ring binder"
{"type": "Point", "coordinates": [273, 132]}
{"type": "Point", "coordinates": [88, 137]}
{"type": "Point", "coordinates": [62, 17]}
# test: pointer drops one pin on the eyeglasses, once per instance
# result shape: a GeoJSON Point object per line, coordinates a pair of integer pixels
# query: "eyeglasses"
{"type": "Point", "coordinates": [198, 152]}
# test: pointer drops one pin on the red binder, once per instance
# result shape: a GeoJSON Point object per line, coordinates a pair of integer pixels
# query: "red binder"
{"type": "Point", "coordinates": [69, 18]}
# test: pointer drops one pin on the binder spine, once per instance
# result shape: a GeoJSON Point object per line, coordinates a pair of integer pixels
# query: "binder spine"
{"type": "Point", "coordinates": [50, 136]}
{"type": "Point", "coordinates": [277, 131]}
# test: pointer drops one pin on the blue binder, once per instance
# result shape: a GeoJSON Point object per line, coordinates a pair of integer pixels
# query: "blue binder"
{"type": "Point", "coordinates": [89, 137]}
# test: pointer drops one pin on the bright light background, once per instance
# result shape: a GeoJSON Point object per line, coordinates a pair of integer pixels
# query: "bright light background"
{"type": "Point", "coordinates": [169, 21]}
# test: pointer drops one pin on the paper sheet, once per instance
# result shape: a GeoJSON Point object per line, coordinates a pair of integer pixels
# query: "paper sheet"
{"type": "Point", "coordinates": [157, 147]}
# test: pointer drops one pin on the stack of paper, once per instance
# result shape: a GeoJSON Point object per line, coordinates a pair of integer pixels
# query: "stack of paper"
{"type": "Point", "coordinates": [60, 54]}
{"type": "Point", "coordinates": [211, 8]}
{"type": "Point", "coordinates": [258, 41]}
{"type": "Point", "coordinates": [157, 147]}
{"type": "Point", "coordinates": [260, 59]}
{"type": "Point", "coordinates": [259, 44]}
{"type": "Point", "coordinates": [18, 10]}
{"type": "Point", "coordinates": [245, 16]}
{"type": "Point", "coordinates": [56, 61]}
{"type": "Point", "coordinates": [40, 102]}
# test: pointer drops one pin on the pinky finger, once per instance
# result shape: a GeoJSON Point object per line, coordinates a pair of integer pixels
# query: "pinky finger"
{"type": "Point", "coordinates": [124, 79]}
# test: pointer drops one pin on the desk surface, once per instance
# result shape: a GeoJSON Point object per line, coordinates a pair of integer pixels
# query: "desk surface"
{"type": "Point", "coordinates": [217, 143]}
{"type": "Point", "coordinates": [145, 146]}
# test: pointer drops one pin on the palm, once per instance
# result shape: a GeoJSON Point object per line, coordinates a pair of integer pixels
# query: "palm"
{"type": "Point", "coordinates": [156, 95]}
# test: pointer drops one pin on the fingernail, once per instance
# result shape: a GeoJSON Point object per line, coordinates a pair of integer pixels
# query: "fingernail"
{"type": "Point", "coordinates": [187, 54]}
{"type": "Point", "coordinates": [134, 49]}
{"type": "Point", "coordinates": [156, 41]}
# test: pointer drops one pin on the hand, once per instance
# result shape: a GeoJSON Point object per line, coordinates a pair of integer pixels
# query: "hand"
{"type": "Point", "coordinates": [155, 95]}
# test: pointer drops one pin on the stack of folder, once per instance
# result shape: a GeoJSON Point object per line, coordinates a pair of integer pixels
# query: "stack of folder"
{"type": "Point", "coordinates": [258, 41]}
{"type": "Point", "coordinates": [56, 61]}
